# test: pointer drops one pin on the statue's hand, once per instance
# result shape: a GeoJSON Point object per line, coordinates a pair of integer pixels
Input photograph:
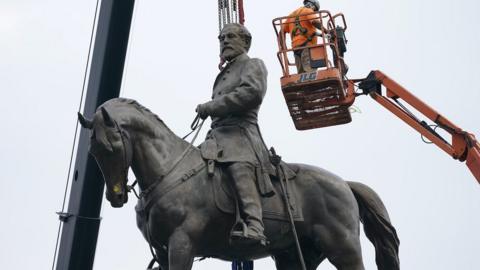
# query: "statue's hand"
{"type": "Point", "coordinates": [202, 111]}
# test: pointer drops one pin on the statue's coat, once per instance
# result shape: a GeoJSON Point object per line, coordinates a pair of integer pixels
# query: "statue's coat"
{"type": "Point", "coordinates": [238, 92]}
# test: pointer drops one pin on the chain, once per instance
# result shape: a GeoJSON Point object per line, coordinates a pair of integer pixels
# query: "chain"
{"type": "Point", "coordinates": [224, 17]}
{"type": "Point", "coordinates": [219, 15]}
{"type": "Point", "coordinates": [235, 10]}
{"type": "Point", "coordinates": [233, 4]}
{"type": "Point", "coordinates": [227, 10]}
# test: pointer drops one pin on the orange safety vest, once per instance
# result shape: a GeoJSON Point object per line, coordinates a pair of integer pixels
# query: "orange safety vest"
{"type": "Point", "coordinates": [300, 27]}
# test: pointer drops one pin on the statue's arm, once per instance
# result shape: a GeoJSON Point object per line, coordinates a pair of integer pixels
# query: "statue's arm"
{"type": "Point", "coordinates": [246, 96]}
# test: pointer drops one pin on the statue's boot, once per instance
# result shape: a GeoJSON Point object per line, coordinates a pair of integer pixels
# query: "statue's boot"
{"type": "Point", "coordinates": [250, 206]}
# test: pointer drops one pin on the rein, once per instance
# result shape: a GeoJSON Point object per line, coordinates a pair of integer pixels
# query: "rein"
{"type": "Point", "coordinates": [196, 125]}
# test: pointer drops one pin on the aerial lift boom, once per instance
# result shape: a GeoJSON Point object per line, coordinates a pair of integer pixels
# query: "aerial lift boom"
{"type": "Point", "coordinates": [463, 146]}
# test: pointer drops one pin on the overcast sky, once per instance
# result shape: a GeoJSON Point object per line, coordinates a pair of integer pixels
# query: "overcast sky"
{"type": "Point", "coordinates": [430, 47]}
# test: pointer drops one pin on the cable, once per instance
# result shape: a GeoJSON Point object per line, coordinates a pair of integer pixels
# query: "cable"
{"type": "Point", "coordinates": [423, 137]}
{"type": "Point", "coordinates": [76, 131]}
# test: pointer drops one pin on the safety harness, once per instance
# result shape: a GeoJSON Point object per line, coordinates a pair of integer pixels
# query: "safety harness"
{"type": "Point", "coordinates": [303, 31]}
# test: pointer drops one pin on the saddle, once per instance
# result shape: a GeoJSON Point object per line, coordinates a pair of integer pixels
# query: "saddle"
{"type": "Point", "coordinates": [273, 207]}
{"type": "Point", "coordinates": [269, 187]}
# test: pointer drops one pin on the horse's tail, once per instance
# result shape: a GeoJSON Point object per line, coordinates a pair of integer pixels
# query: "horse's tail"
{"type": "Point", "coordinates": [377, 226]}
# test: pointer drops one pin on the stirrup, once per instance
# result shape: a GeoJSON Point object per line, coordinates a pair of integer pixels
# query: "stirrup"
{"type": "Point", "coordinates": [239, 229]}
{"type": "Point", "coordinates": [241, 235]}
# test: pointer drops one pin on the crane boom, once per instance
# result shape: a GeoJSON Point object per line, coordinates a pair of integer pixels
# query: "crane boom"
{"type": "Point", "coordinates": [462, 146]}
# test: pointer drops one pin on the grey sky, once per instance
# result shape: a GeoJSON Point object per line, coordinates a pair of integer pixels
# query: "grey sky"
{"type": "Point", "coordinates": [431, 47]}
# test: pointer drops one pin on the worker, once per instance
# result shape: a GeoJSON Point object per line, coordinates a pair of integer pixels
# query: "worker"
{"type": "Point", "coordinates": [238, 92]}
{"type": "Point", "coordinates": [303, 25]}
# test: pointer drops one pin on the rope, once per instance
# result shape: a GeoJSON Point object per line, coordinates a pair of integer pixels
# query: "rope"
{"type": "Point", "coordinates": [87, 65]}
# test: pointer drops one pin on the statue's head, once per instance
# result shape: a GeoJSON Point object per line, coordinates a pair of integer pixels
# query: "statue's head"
{"type": "Point", "coordinates": [112, 149]}
{"type": "Point", "coordinates": [235, 39]}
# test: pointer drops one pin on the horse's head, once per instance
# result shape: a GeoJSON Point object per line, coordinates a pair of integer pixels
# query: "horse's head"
{"type": "Point", "coordinates": [112, 149]}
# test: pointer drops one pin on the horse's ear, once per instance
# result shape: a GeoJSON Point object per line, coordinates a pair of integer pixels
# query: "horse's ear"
{"type": "Point", "coordinates": [107, 118]}
{"type": "Point", "coordinates": [101, 138]}
{"type": "Point", "coordinates": [86, 123]}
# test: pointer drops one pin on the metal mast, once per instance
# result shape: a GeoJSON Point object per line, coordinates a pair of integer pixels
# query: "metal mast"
{"type": "Point", "coordinates": [82, 220]}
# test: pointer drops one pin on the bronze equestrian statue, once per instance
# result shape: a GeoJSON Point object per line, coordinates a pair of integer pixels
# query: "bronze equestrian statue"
{"type": "Point", "coordinates": [179, 211]}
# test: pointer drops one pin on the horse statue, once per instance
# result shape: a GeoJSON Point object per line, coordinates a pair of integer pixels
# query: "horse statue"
{"type": "Point", "coordinates": [179, 217]}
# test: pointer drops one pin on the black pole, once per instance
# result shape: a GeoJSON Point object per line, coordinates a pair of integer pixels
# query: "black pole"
{"type": "Point", "coordinates": [82, 221]}
{"type": "Point", "coordinates": [242, 265]}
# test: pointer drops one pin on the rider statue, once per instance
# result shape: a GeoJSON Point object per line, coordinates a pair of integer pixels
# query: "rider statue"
{"type": "Point", "coordinates": [238, 92]}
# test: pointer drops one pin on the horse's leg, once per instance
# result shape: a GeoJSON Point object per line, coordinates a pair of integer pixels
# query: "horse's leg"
{"type": "Point", "coordinates": [312, 256]}
{"type": "Point", "coordinates": [288, 260]}
{"type": "Point", "coordinates": [162, 256]}
{"type": "Point", "coordinates": [180, 251]}
{"type": "Point", "coordinates": [332, 217]}
{"type": "Point", "coordinates": [341, 245]}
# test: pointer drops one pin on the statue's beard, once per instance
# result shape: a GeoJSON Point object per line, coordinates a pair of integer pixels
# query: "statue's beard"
{"type": "Point", "coordinates": [231, 52]}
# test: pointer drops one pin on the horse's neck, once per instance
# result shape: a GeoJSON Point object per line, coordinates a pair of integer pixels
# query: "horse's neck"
{"type": "Point", "coordinates": [154, 151]}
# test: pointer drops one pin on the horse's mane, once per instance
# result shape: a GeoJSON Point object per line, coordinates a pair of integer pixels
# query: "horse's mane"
{"type": "Point", "coordinates": [142, 109]}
